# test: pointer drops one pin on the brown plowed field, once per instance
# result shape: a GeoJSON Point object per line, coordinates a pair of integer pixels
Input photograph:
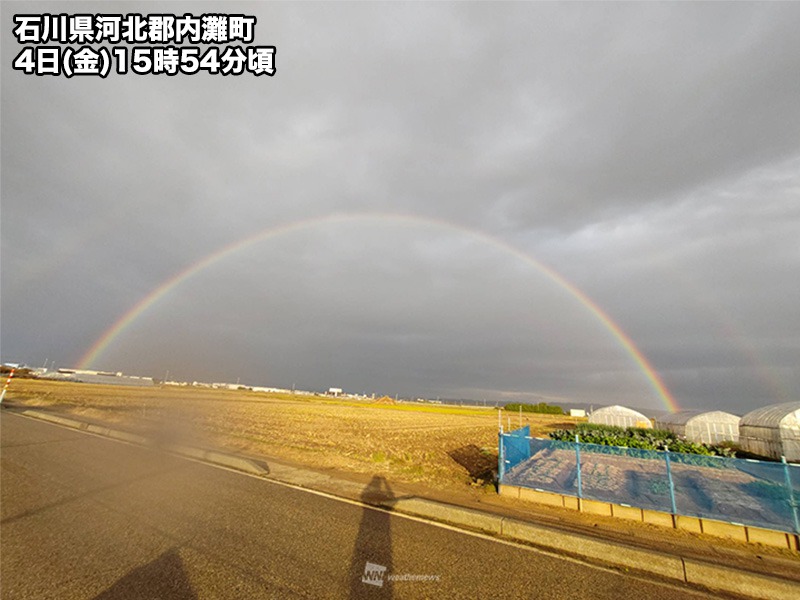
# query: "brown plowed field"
{"type": "Point", "coordinates": [441, 446]}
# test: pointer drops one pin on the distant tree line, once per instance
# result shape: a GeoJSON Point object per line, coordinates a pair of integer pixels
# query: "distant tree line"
{"type": "Point", "coordinates": [541, 408]}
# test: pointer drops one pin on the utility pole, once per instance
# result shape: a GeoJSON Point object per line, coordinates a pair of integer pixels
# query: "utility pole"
{"type": "Point", "coordinates": [8, 381]}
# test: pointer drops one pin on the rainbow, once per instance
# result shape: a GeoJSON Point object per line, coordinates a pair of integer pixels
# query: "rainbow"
{"type": "Point", "coordinates": [103, 342]}
{"type": "Point", "coordinates": [717, 314]}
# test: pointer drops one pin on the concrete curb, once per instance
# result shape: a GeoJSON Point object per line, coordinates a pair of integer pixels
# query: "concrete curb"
{"type": "Point", "coordinates": [226, 460]}
{"type": "Point", "coordinates": [735, 581]}
{"type": "Point", "coordinates": [677, 568]}
{"type": "Point", "coordinates": [455, 515]}
{"type": "Point", "coordinates": [619, 555]}
{"type": "Point", "coordinates": [612, 553]}
{"type": "Point", "coordinates": [57, 420]}
{"type": "Point", "coordinates": [235, 462]}
{"type": "Point", "coordinates": [672, 567]}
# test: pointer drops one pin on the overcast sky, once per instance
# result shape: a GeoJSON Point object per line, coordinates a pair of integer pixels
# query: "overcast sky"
{"type": "Point", "coordinates": [649, 154]}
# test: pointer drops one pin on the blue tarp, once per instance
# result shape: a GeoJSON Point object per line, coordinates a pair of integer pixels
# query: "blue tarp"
{"type": "Point", "coordinates": [517, 447]}
{"type": "Point", "coordinates": [760, 493]}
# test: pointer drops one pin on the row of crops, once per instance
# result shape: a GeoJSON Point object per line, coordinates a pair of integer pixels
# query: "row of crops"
{"type": "Point", "coordinates": [633, 437]}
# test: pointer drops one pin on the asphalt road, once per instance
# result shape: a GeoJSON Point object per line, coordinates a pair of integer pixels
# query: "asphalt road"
{"type": "Point", "coordinates": [87, 517]}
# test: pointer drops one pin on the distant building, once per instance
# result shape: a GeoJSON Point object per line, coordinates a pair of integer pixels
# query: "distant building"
{"type": "Point", "coordinates": [335, 391]}
{"type": "Point", "coordinates": [577, 412]}
{"type": "Point", "coordinates": [101, 377]}
{"type": "Point", "coordinates": [90, 372]}
{"type": "Point", "coordinates": [270, 390]}
{"type": "Point", "coordinates": [226, 386]}
{"type": "Point", "coordinates": [620, 416]}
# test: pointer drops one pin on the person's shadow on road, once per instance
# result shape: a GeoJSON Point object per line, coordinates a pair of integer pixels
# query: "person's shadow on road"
{"type": "Point", "coordinates": [371, 563]}
{"type": "Point", "coordinates": [164, 577]}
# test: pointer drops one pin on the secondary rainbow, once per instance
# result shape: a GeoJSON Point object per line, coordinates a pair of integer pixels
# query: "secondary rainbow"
{"type": "Point", "coordinates": [102, 343]}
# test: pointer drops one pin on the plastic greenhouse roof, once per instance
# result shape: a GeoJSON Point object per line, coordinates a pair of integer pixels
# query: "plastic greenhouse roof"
{"type": "Point", "coordinates": [619, 410]}
{"type": "Point", "coordinates": [684, 416]}
{"type": "Point", "coordinates": [769, 416]}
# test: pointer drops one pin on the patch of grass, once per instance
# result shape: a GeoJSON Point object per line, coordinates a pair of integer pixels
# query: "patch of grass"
{"type": "Point", "coordinates": [379, 457]}
{"type": "Point", "coordinates": [416, 471]}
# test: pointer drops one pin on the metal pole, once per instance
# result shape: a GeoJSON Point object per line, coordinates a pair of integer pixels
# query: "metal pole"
{"type": "Point", "coordinates": [578, 465]}
{"type": "Point", "coordinates": [501, 457]}
{"type": "Point", "coordinates": [5, 387]}
{"type": "Point", "coordinates": [792, 503]}
{"type": "Point", "coordinates": [671, 485]}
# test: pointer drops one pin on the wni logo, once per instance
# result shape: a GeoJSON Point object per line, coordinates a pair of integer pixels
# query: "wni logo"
{"type": "Point", "coordinates": [373, 574]}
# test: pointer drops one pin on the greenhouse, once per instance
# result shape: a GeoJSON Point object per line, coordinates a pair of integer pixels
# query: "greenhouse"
{"type": "Point", "coordinates": [772, 431]}
{"type": "Point", "coordinates": [619, 416]}
{"type": "Point", "coordinates": [702, 427]}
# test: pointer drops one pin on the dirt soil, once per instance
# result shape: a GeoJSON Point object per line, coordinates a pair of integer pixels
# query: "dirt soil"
{"type": "Point", "coordinates": [441, 446]}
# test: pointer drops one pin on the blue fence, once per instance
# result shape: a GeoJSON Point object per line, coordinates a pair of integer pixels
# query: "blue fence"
{"type": "Point", "coordinates": [749, 492]}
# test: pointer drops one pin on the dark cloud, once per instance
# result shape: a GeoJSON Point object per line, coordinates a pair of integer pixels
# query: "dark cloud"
{"type": "Point", "coordinates": [649, 153]}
